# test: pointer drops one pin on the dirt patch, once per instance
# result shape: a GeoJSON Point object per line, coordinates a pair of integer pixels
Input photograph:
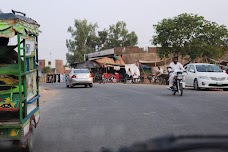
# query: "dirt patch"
{"type": "Point", "coordinates": [46, 94]}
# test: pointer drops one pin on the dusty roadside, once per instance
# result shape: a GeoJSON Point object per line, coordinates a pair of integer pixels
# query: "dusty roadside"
{"type": "Point", "coordinates": [46, 94]}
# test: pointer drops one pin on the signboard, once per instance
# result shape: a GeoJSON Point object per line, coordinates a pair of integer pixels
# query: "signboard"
{"type": "Point", "coordinates": [29, 47]}
{"type": "Point", "coordinates": [31, 85]}
{"type": "Point", "coordinates": [117, 68]}
{"type": "Point", "coordinates": [101, 53]}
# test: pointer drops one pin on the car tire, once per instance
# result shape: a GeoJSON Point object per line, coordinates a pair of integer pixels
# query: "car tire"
{"type": "Point", "coordinates": [90, 85]}
{"type": "Point", "coordinates": [195, 85]}
{"type": "Point", "coordinates": [86, 85]}
{"type": "Point", "coordinates": [226, 89]}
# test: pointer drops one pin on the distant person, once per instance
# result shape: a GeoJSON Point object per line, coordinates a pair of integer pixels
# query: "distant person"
{"type": "Point", "coordinates": [160, 71]}
{"type": "Point", "coordinates": [65, 77]}
{"type": "Point", "coordinates": [129, 72]}
{"type": "Point", "coordinates": [59, 78]}
{"type": "Point", "coordinates": [53, 78]}
{"type": "Point", "coordinates": [174, 66]}
{"type": "Point", "coordinates": [50, 79]}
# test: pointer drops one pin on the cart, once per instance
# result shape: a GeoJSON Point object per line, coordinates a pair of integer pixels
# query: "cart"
{"type": "Point", "coordinates": [19, 87]}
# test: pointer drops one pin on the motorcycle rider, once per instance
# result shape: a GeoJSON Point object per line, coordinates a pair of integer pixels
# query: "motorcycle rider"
{"type": "Point", "coordinates": [174, 66]}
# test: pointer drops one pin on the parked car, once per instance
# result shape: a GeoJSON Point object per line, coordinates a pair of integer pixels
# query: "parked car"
{"type": "Point", "coordinates": [203, 75]}
{"type": "Point", "coordinates": [79, 77]}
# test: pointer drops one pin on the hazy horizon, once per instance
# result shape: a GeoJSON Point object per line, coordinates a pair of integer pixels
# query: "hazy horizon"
{"type": "Point", "coordinates": [140, 17]}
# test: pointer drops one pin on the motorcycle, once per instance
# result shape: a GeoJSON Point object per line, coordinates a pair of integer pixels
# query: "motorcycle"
{"type": "Point", "coordinates": [178, 84]}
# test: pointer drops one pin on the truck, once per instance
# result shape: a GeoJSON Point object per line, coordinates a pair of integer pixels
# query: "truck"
{"type": "Point", "coordinates": [19, 80]}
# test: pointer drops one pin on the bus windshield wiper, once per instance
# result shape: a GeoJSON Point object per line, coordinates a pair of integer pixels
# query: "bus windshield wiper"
{"type": "Point", "coordinates": [180, 143]}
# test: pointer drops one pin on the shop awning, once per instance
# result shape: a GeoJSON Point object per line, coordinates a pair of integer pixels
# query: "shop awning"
{"type": "Point", "coordinates": [110, 61]}
{"type": "Point", "coordinates": [86, 64]}
{"type": "Point", "coordinates": [10, 24]}
{"type": "Point", "coordinates": [155, 63]}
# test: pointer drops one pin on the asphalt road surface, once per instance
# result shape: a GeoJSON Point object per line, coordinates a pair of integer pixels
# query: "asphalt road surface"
{"type": "Point", "coordinates": [113, 115]}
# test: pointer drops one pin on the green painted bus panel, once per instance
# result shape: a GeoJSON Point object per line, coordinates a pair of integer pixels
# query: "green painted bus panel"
{"type": "Point", "coordinates": [10, 133]}
{"type": "Point", "coordinates": [9, 69]}
{"type": "Point", "coordinates": [9, 101]}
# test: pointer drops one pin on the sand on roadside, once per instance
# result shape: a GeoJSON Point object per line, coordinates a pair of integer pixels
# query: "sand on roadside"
{"type": "Point", "coordinates": [46, 94]}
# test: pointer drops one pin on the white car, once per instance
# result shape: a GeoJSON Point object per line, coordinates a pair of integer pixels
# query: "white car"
{"type": "Point", "coordinates": [203, 75]}
{"type": "Point", "coordinates": [79, 77]}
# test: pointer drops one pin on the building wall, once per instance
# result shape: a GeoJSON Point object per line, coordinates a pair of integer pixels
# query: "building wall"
{"type": "Point", "coordinates": [59, 66]}
{"type": "Point", "coordinates": [50, 63]}
{"type": "Point", "coordinates": [131, 54]}
{"type": "Point", "coordinates": [130, 58]}
{"type": "Point", "coordinates": [41, 64]}
{"type": "Point", "coordinates": [127, 50]}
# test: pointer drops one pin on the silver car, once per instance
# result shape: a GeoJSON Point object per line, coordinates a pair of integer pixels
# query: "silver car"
{"type": "Point", "coordinates": [79, 77]}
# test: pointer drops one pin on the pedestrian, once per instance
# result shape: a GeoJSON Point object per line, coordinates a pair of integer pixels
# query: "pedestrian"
{"type": "Point", "coordinates": [55, 78]}
{"type": "Point", "coordinates": [59, 78]}
{"type": "Point", "coordinates": [50, 78]}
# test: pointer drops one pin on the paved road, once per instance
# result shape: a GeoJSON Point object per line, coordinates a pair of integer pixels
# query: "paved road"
{"type": "Point", "coordinates": [112, 115]}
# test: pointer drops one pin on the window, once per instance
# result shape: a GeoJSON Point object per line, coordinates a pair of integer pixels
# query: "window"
{"type": "Point", "coordinates": [191, 68]}
{"type": "Point", "coordinates": [49, 62]}
{"type": "Point", "coordinates": [208, 68]}
{"type": "Point", "coordinates": [81, 71]}
{"type": "Point", "coordinates": [186, 67]}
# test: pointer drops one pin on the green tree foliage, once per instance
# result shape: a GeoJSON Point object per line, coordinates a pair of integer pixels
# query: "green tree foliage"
{"type": "Point", "coordinates": [84, 40]}
{"type": "Point", "coordinates": [117, 36]}
{"type": "Point", "coordinates": [46, 70]}
{"type": "Point", "coordinates": [103, 42]}
{"type": "Point", "coordinates": [192, 35]}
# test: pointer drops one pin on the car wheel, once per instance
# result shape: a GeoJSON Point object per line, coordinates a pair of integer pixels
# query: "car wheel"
{"type": "Point", "coordinates": [195, 85]}
{"type": "Point", "coordinates": [226, 89]}
{"type": "Point", "coordinates": [90, 85]}
{"type": "Point", "coordinates": [86, 86]}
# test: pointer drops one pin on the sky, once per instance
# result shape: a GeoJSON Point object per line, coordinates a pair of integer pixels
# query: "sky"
{"type": "Point", "coordinates": [55, 16]}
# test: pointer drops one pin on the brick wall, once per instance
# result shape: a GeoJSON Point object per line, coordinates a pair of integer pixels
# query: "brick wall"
{"type": "Point", "coordinates": [130, 58]}
{"type": "Point", "coordinates": [130, 54]}
{"type": "Point", "coordinates": [124, 50]}
{"type": "Point", "coordinates": [41, 64]}
{"type": "Point", "coordinates": [59, 66]}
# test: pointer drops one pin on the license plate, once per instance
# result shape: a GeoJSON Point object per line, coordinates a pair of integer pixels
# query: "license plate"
{"type": "Point", "coordinates": [219, 83]}
{"type": "Point", "coordinates": [81, 77]}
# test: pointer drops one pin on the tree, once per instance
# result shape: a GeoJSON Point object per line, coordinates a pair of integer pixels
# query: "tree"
{"type": "Point", "coordinates": [46, 70]}
{"type": "Point", "coordinates": [120, 37]}
{"type": "Point", "coordinates": [103, 42]}
{"type": "Point", "coordinates": [188, 34]}
{"type": "Point", "coordinates": [84, 40]}
{"type": "Point", "coordinates": [116, 36]}
{"type": "Point", "coordinates": [132, 39]}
